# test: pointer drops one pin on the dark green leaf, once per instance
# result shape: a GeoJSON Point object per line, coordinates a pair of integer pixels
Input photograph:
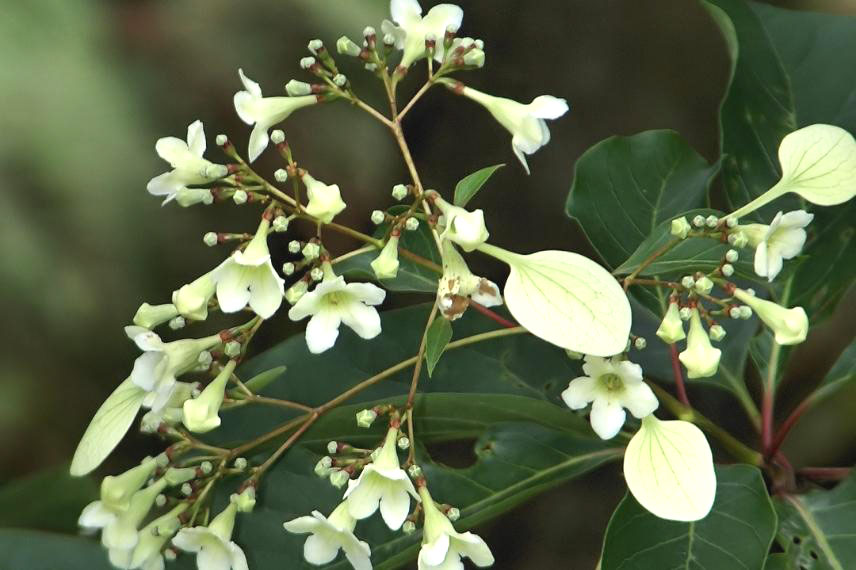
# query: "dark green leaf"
{"type": "Point", "coordinates": [625, 186]}
{"type": "Point", "coordinates": [758, 110]}
{"type": "Point", "coordinates": [817, 529]}
{"type": "Point", "coordinates": [33, 550]}
{"type": "Point", "coordinates": [735, 535]}
{"type": "Point", "coordinates": [777, 561]}
{"type": "Point", "coordinates": [469, 186]}
{"type": "Point", "coordinates": [842, 373]}
{"type": "Point", "coordinates": [49, 500]}
{"type": "Point", "coordinates": [764, 351]}
{"type": "Point", "coordinates": [260, 381]}
{"type": "Point", "coordinates": [438, 336]}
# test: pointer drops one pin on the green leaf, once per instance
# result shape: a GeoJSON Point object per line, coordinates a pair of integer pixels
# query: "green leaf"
{"type": "Point", "coordinates": [817, 529]}
{"type": "Point", "coordinates": [688, 256]}
{"type": "Point", "coordinates": [34, 550]}
{"type": "Point", "coordinates": [438, 336]}
{"type": "Point", "coordinates": [757, 112]}
{"type": "Point", "coordinates": [736, 534]}
{"type": "Point", "coordinates": [259, 382]}
{"type": "Point", "coordinates": [624, 187]}
{"type": "Point", "coordinates": [48, 500]}
{"type": "Point", "coordinates": [468, 186]}
{"type": "Point", "coordinates": [412, 277]}
{"type": "Point", "coordinates": [842, 373]}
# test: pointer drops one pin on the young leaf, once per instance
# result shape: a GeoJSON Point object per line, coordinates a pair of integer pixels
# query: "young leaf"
{"type": "Point", "coordinates": [736, 534]}
{"type": "Point", "coordinates": [625, 186]}
{"type": "Point", "coordinates": [108, 427]}
{"type": "Point", "coordinates": [566, 299]}
{"type": "Point", "coordinates": [669, 469]}
{"type": "Point", "coordinates": [438, 336]}
{"type": "Point", "coordinates": [469, 185]}
{"type": "Point", "coordinates": [261, 381]}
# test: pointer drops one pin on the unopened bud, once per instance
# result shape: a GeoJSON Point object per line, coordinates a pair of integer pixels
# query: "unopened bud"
{"type": "Point", "coordinates": [205, 359]}
{"type": "Point", "coordinates": [403, 443]}
{"type": "Point", "coordinates": [365, 418]}
{"type": "Point", "coordinates": [399, 191]}
{"type": "Point", "coordinates": [315, 46]}
{"type": "Point", "coordinates": [640, 343]}
{"type": "Point", "coordinates": [240, 197]}
{"type": "Point", "coordinates": [277, 136]}
{"type": "Point", "coordinates": [175, 476]}
{"type": "Point", "coordinates": [680, 227]}
{"type": "Point", "coordinates": [210, 239]}
{"type": "Point", "coordinates": [240, 463]}
{"type": "Point", "coordinates": [340, 80]}
{"type": "Point", "coordinates": [297, 88]}
{"type": "Point", "coordinates": [734, 312]}
{"type": "Point", "coordinates": [215, 171]}
{"type": "Point", "coordinates": [280, 175]}
{"type": "Point", "coordinates": [479, 44]}
{"type": "Point", "coordinates": [332, 447]}
{"type": "Point", "coordinates": [711, 221]}
{"type": "Point", "coordinates": [294, 246]}
{"type": "Point", "coordinates": [738, 239]}
{"type": "Point", "coordinates": [311, 251]}
{"type": "Point", "coordinates": [206, 467]}
{"type": "Point", "coordinates": [409, 527]}
{"type": "Point", "coordinates": [307, 62]}
{"type": "Point", "coordinates": [369, 32]}
{"type": "Point", "coordinates": [728, 270]}
{"type": "Point", "coordinates": [232, 349]}
{"type": "Point", "coordinates": [317, 274]}
{"type": "Point", "coordinates": [703, 285]}
{"type": "Point", "coordinates": [687, 282]}
{"type": "Point", "coordinates": [414, 471]}
{"type": "Point", "coordinates": [296, 291]}
{"type": "Point", "coordinates": [699, 221]}
{"type": "Point", "coordinates": [731, 255]}
{"type": "Point", "coordinates": [160, 500]}
{"type": "Point", "coordinates": [280, 224]}
{"type": "Point", "coordinates": [454, 514]}
{"type": "Point", "coordinates": [177, 323]}
{"type": "Point", "coordinates": [370, 67]}
{"type": "Point", "coordinates": [187, 489]}
{"type": "Point", "coordinates": [288, 268]}
{"type": "Point", "coordinates": [731, 222]}
{"type": "Point", "coordinates": [716, 333]}
{"type": "Point", "coordinates": [745, 312]}
{"type": "Point", "coordinates": [412, 224]}
{"type": "Point", "coordinates": [388, 40]}
{"type": "Point", "coordinates": [685, 313]}
{"type": "Point", "coordinates": [378, 217]}
{"type": "Point", "coordinates": [346, 46]}
{"type": "Point", "coordinates": [474, 58]}
{"type": "Point", "coordinates": [221, 140]}
{"type": "Point", "coordinates": [339, 479]}
{"type": "Point", "coordinates": [322, 468]}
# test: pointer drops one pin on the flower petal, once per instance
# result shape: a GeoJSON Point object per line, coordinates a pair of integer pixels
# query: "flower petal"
{"type": "Point", "coordinates": [322, 330]}
{"type": "Point", "coordinates": [433, 553]}
{"type": "Point", "coordinates": [394, 506]}
{"type": "Point", "coordinates": [475, 548]}
{"type": "Point", "coordinates": [639, 399]}
{"type": "Point", "coordinates": [442, 17]}
{"type": "Point", "coordinates": [302, 525]}
{"type": "Point", "coordinates": [363, 320]}
{"type": "Point", "coordinates": [258, 141]}
{"type": "Point", "coordinates": [251, 86]}
{"type": "Point", "coordinates": [245, 106]}
{"type": "Point", "coordinates": [308, 304]}
{"type": "Point", "coordinates": [580, 392]}
{"type": "Point", "coordinates": [173, 150]}
{"type": "Point", "coordinates": [607, 418]}
{"type": "Point", "coordinates": [364, 495]}
{"type": "Point", "coordinates": [404, 10]}
{"type": "Point", "coordinates": [319, 551]}
{"type": "Point", "coordinates": [368, 293]}
{"type": "Point", "coordinates": [266, 291]}
{"type": "Point", "coordinates": [548, 107]}
{"type": "Point", "coordinates": [196, 138]}
{"type": "Point", "coordinates": [239, 559]}
{"type": "Point", "coordinates": [233, 282]}
{"type": "Point", "coordinates": [166, 184]}
{"type": "Point", "coordinates": [145, 372]}
{"type": "Point", "coordinates": [358, 553]}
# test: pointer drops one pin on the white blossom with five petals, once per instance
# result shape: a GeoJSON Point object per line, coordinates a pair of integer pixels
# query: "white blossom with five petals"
{"type": "Point", "coordinates": [329, 535]}
{"type": "Point", "coordinates": [264, 112]}
{"type": "Point", "coordinates": [213, 544]}
{"type": "Point", "coordinates": [443, 547]}
{"type": "Point", "coordinates": [611, 385]}
{"type": "Point", "coordinates": [248, 278]}
{"type": "Point", "coordinates": [188, 166]}
{"type": "Point", "coordinates": [526, 123]}
{"type": "Point", "coordinates": [333, 302]}
{"type": "Point", "coordinates": [413, 29]}
{"type": "Point", "coordinates": [783, 239]}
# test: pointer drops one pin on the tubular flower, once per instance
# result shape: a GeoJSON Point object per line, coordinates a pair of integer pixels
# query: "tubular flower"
{"type": "Point", "coordinates": [148, 555]}
{"type": "Point", "coordinates": [465, 228]}
{"type": "Point", "coordinates": [329, 535]}
{"type": "Point", "coordinates": [611, 385]}
{"type": "Point", "coordinates": [264, 112]}
{"type": "Point", "coordinates": [413, 29]}
{"type": "Point", "coordinates": [201, 413]}
{"type": "Point", "coordinates": [458, 285]}
{"type": "Point", "coordinates": [213, 544]}
{"type": "Point", "coordinates": [790, 326]}
{"type": "Point", "coordinates": [191, 300]}
{"type": "Point", "coordinates": [188, 166]}
{"type": "Point", "coordinates": [443, 547]}
{"type": "Point", "coordinates": [385, 265]}
{"type": "Point", "coordinates": [325, 200]}
{"type": "Point", "coordinates": [783, 239]}
{"type": "Point", "coordinates": [671, 330]}
{"type": "Point", "coordinates": [333, 302]}
{"type": "Point", "coordinates": [382, 483]}
{"type": "Point", "coordinates": [700, 357]}
{"type": "Point", "coordinates": [248, 278]}
{"type": "Point", "coordinates": [526, 123]}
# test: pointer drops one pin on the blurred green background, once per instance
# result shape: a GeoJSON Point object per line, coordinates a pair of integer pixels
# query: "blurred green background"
{"type": "Point", "coordinates": [88, 86]}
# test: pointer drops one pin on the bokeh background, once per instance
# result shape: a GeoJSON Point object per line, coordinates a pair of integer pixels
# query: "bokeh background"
{"type": "Point", "coordinates": [86, 87]}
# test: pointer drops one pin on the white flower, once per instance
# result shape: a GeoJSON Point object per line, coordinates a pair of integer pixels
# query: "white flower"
{"type": "Point", "coordinates": [201, 413]}
{"type": "Point", "coordinates": [790, 326]}
{"type": "Point", "coordinates": [385, 265]}
{"type": "Point", "coordinates": [413, 29]}
{"type": "Point", "coordinates": [155, 370]}
{"type": "Point", "coordinates": [171, 413]}
{"type": "Point", "coordinates": [147, 555]}
{"type": "Point", "coordinates": [526, 123]}
{"type": "Point", "coordinates": [264, 112]}
{"type": "Point", "coordinates": [325, 200]}
{"type": "Point", "coordinates": [333, 302]}
{"type": "Point", "coordinates": [213, 544]}
{"type": "Point", "coordinates": [443, 547]}
{"type": "Point", "coordinates": [700, 357]}
{"type": "Point", "coordinates": [191, 300]}
{"type": "Point", "coordinates": [116, 491]}
{"type": "Point", "coordinates": [382, 482]}
{"type": "Point", "coordinates": [189, 167]}
{"type": "Point", "coordinates": [329, 535]}
{"type": "Point", "coordinates": [248, 277]}
{"type": "Point", "coordinates": [671, 329]}
{"type": "Point", "coordinates": [458, 285]}
{"type": "Point", "coordinates": [784, 238]}
{"type": "Point", "coordinates": [611, 385]}
{"type": "Point", "coordinates": [150, 316]}
{"type": "Point", "coordinates": [465, 228]}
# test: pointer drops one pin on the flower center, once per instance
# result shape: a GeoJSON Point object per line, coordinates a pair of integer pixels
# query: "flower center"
{"type": "Point", "coordinates": [612, 382]}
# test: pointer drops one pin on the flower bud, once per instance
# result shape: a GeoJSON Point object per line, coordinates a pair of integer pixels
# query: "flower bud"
{"type": "Point", "coordinates": [201, 413]}
{"type": "Point", "coordinates": [150, 316]}
{"type": "Point", "coordinates": [206, 467]}
{"type": "Point", "coordinates": [311, 251]}
{"type": "Point", "coordinates": [280, 175]}
{"type": "Point", "coordinates": [453, 514]}
{"type": "Point", "coordinates": [317, 274]}
{"type": "Point", "coordinates": [175, 476]}
{"type": "Point", "coordinates": [385, 265]}
{"type": "Point", "coordinates": [399, 192]}
{"type": "Point", "coordinates": [221, 140]}
{"type": "Point", "coordinates": [745, 312]}
{"type": "Point", "coordinates": [240, 197]}
{"type": "Point", "coordinates": [240, 463]}
{"type": "Point", "coordinates": [288, 268]}
{"type": "Point", "coordinates": [378, 217]}
{"type": "Point", "coordinates": [177, 323]}
{"type": "Point", "coordinates": [717, 333]}
{"type": "Point", "coordinates": [699, 221]}
{"type": "Point", "coordinates": [403, 443]}
{"type": "Point", "coordinates": [339, 478]}
{"type": "Point", "coordinates": [687, 282]}
{"type": "Point", "coordinates": [315, 46]}
{"type": "Point", "coordinates": [409, 527]}
{"type": "Point", "coordinates": [192, 299]}
{"type": "Point", "coordinates": [325, 201]}
{"type": "Point", "coordinates": [117, 490]}
{"type": "Point", "coordinates": [186, 197]}
{"type": "Point", "coordinates": [160, 500]}
{"type": "Point", "coordinates": [728, 270]}
{"type": "Point", "coordinates": [474, 58]}
{"type": "Point", "coordinates": [232, 349]}
{"type": "Point", "coordinates": [277, 136]}
{"type": "Point", "coordinates": [370, 67]}
{"type": "Point", "coordinates": [731, 255]}
{"type": "Point", "coordinates": [790, 326]}
{"type": "Point", "coordinates": [685, 313]}
{"type": "Point", "coordinates": [347, 47]}
{"type": "Point", "coordinates": [294, 246]}
{"type": "Point", "coordinates": [322, 468]}
{"type": "Point", "coordinates": [186, 489]}
{"type": "Point", "coordinates": [307, 62]}
{"type": "Point", "coordinates": [738, 239]}
{"type": "Point", "coordinates": [296, 291]}
{"type": "Point", "coordinates": [704, 285]}
{"type": "Point", "coordinates": [412, 224]}
{"type": "Point", "coordinates": [365, 418]}
{"type": "Point", "coordinates": [332, 447]}
{"type": "Point", "coordinates": [640, 343]}
{"type": "Point", "coordinates": [210, 239]}
{"type": "Point", "coordinates": [280, 224]}
{"type": "Point", "coordinates": [414, 471]}
{"type": "Point", "coordinates": [680, 227]}
{"type": "Point", "coordinates": [671, 330]}
{"type": "Point", "coordinates": [298, 88]}
{"type": "Point", "coordinates": [731, 222]}
{"type": "Point", "coordinates": [467, 229]}
{"type": "Point", "coordinates": [340, 80]}
{"type": "Point", "coordinates": [711, 221]}
{"type": "Point", "coordinates": [700, 358]}
{"type": "Point", "coordinates": [246, 500]}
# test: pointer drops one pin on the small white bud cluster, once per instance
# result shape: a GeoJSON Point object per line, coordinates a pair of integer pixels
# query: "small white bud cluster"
{"type": "Point", "coordinates": [741, 312]}
{"type": "Point", "coordinates": [277, 136]}
{"type": "Point", "coordinates": [280, 224]}
{"type": "Point", "coordinates": [317, 274]}
{"type": "Point", "coordinates": [378, 217]}
{"type": "Point", "coordinates": [399, 192]}
{"type": "Point", "coordinates": [288, 268]}
{"type": "Point", "coordinates": [311, 251]}
{"type": "Point", "coordinates": [412, 224]}
{"type": "Point", "coordinates": [221, 140]}
{"type": "Point", "coordinates": [210, 239]}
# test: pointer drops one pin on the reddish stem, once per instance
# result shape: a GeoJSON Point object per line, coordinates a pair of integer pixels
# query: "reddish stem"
{"type": "Point", "coordinates": [491, 315]}
{"type": "Point", "coordinates": [679, 377]}
{"type": "Point", "coordinates": [767, 423]}
{"type": "Point", "coordinates": [788, 424]}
